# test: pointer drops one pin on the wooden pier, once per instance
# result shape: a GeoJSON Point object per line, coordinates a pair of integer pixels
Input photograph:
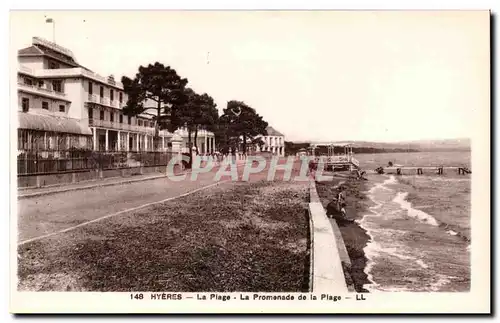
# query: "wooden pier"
{"type": "Point", "coordinates": [420, 170]}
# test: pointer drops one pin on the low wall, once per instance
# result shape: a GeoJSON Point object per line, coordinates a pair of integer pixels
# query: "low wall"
{"type": "Point", "coordinates": [327, 274]}
{"type": "Point", "coordinates": [59, 179]}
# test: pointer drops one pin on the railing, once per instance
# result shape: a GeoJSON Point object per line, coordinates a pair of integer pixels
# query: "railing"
{"type": "Point", "coordinates": [40, 90]}
{"type": "Point", "coordinates": [337, 159]}
{"type": "Point", "coordinates": [77, 71]}
{"type": "Point", "coordinates": [25, 69]}
{"type": "Point", "coordinates": [49, 162]}
{"type": "Point", "coordinates": [100, 78]}
{"type": "Point", "coordinates": [93, 98]}
{"type": "Point", "coordinates": [104, 100]}
{"type": "Point", "coordinates": [121, 126]}
{"type": "Point", "coordinates": [58, 72]}
{"type": "Point", "coordinates": [354, 161]}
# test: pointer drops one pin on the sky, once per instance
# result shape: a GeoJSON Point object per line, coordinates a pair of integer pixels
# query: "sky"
{"type": "Point", "coordinates": [313, 75]}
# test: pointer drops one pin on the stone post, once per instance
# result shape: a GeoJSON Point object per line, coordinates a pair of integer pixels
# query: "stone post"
{"type": "Point", "coordinates": [127, 143]}
{"type": "Point", "coordinates": [106, 145]}
{"type": "Point", "coordinates": [94, 139]}
{"type": "Point", "coordinates": [176, 148]}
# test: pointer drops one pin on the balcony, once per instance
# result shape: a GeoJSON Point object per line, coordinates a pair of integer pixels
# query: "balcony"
{"type": "Point", "coordinates": [73, 72]}
{"type": "Point", "coordinates": [26, 70]}
{"type": "Point", "coordinates": [104, 101]}
{"type": "Point", "coordinates": [93, 98]}
{"type": "Point", "coordinates": [120, 126]}
{"type": "Point", "coordinates": [33, 89]}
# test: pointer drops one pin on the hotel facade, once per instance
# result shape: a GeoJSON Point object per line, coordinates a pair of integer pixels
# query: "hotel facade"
{"type": "Point", "coordinates": [63, 105]}
{"type": "Point", "coordinates": [274, 142]}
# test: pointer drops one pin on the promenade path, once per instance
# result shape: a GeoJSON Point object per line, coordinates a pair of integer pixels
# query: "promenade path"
{"type": "Point", "coordinates": [46, 215]}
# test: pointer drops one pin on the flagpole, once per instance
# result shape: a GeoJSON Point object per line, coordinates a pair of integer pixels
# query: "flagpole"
{"type": "Point", "coordinates": [54, 31]}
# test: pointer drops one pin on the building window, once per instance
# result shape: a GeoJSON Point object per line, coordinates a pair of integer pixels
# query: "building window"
{"type": "Point", "coordinates": [57, 86]}
{"type": "Point", "coordinates": [111, 116]}
{"type": "Point", "coordinates": [121, 118]}
{"type": "Point", "coordinates": [101, 115]}
{"type": "Point", "coordinates": [91, 88]}
{"type": "Point", "coordinates": [101, 92]}
{"type": "Point", "coordinates": [120, 97]}
{"type": "Point", "coordinates": [53, 65]}
{"type": "Point", "coordinates": [111, 95]}
{"type": "Point", "coordinates": [139, 123]}
{"type": "Point", "coordinates": [129, 120]}
{"type": "Point", "coordinates": [28, 81]}
{"type": "Point", "coordinates": [62, 108]}
{"type": "Point", "coordinates": [45, 105]}
{"type": "Point", "coordinates": [91, 114]}
{"type": "Point", "coordinates": [40, 83]}
{"type": "Point", "coordinates": [26, 104]}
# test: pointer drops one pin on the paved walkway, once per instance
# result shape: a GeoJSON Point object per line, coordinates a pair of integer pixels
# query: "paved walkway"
{"type": "Point", "coordinates": [45, 214]}
{"type": "Point", "coordinates": [33, 192]}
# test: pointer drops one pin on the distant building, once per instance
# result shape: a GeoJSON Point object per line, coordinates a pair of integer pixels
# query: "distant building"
{"type": "Point", "coordinates": [274, 142]}
{"type": "Point", "coordinates": [302, 152]}
{"type": "Point", "coordinates": [63, 105]}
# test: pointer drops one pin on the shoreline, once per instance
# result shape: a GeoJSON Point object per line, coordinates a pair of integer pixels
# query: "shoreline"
{"type": "Point", "coordinates": [355, 237]}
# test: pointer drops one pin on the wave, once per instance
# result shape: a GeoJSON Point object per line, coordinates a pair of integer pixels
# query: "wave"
{"type": "Point", "coordinates": [448, 179]}
{"type": "Point", "coordinates": [374, 250]}
{"type": "Point", "coordinates": [414, 213]}
{"type": "Point", "coordinates": [425, 217]}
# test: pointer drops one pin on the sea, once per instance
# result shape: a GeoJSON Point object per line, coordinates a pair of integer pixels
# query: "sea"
{"type": "Point", "coordinates": [419, 226]}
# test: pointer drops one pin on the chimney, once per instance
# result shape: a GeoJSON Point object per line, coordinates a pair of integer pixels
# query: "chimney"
{"type": "Point", "coordinates": [111, 79]}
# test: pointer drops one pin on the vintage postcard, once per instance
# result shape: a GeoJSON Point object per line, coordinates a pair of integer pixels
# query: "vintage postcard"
{"type": "Point", "coordinates": [250, 162]}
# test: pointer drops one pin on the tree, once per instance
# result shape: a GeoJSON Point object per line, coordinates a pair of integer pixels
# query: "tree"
{"type": "Point", "coordinates": [205, 115]}
{"type": "Point", "coordinates": [155, 87]}
{"type": "Point", "coordinates": [183, 114]}
{"type": "Point", "coordinates": [222, 137]}
{"type": "Point", "coordinates": [258, 142]}
{"type": "Point", "coordinates": [243, 123]}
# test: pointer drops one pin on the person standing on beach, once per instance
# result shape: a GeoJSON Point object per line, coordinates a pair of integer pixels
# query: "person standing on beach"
{"type": "Point", "coordinates": [341, 200]}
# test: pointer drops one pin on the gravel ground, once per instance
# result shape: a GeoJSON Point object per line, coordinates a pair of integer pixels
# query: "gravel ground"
{"type": "Point", "coordinates": [243, 237]}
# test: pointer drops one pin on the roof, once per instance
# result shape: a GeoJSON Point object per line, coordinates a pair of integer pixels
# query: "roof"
{"type": "Point", "coordinates": [42, 47]}
{"type": "Point", "coordinates": [331, 144]}
{"type": "Point", "coordinates": [32, 50]}
{"type": "Point", "coordinates": [51, 124]}
{"type": "Point", "coordinates": [273, 132]}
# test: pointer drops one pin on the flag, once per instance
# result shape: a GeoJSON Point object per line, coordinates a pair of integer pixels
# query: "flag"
{"type": "Point", "coordinates": [49, 20]}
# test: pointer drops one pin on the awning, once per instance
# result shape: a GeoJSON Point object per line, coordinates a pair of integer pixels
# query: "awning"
{"type": "Point", "coordinates": [51, 124]}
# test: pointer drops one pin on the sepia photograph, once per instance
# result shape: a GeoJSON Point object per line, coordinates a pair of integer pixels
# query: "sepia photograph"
{"type": "Point", "coordinates": [255, 161]}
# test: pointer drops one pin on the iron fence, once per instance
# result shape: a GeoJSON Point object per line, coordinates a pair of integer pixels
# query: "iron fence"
{"type": "Point", "coordinates": [49, 162]}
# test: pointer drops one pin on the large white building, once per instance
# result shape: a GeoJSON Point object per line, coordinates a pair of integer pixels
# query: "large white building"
{"type": "Point", "coordinates": [274, 142]}
{"type": "Point", "coordinates": [63, 105]}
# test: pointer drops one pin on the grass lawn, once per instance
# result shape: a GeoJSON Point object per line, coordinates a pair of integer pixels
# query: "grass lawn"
{"type": "Point", "coordinates": [239, 237]}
